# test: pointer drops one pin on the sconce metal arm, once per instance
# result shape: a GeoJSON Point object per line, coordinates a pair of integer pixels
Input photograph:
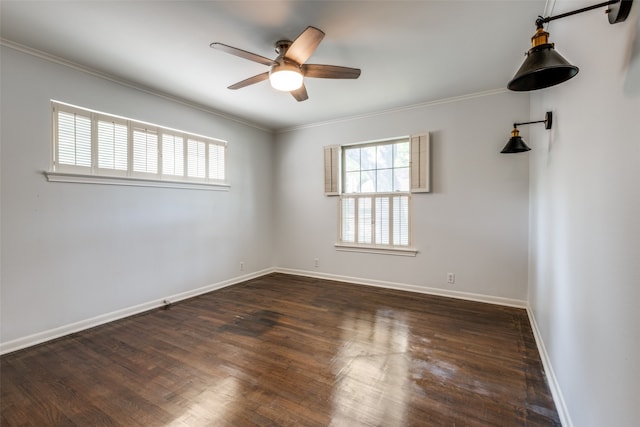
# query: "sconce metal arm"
{"type": "Point", "coordinates": [528, 123]}
{"type": "Point", "coordinates": [548, 120]}
{"type": "Point", "coordinates": [542, 20]}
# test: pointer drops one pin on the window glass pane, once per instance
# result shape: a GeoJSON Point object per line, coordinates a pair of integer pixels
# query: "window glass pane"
{"type": "Point", "coordinates": [384, 180]}
{"type": "Point", "coordinates": [368, 158]}
{"type": "Point", "coordinates": [348, 220]}
{"type": "Point", "coordinates": [112, 145]}
{"type": "Point", "coordinates": [401, 154]}
{"type": "Point", "coordinates": [364, 220]}
{"type": "Point", "coordinates": [382, 220]}
{"type": "Point", "coordinates": [401, 179]}
{"type": "Point", "coordinates": [351, 159]}
{"type": "Point", "coordinates": [368, 181]}
{"type": "Point", "coordinates": [401, 220]}
{"type": "Point", "coordinates": [384, 157]}
{"type": "Point", "coordinates": [352, 182]}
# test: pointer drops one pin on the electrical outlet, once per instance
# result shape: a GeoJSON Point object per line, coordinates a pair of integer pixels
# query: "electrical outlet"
{"type": "Point", "coordinates": [451, 278]}
{"type": "Point", "coordinates": [316, 262]}
{"type": "Point", "coordinates": [242, 266]}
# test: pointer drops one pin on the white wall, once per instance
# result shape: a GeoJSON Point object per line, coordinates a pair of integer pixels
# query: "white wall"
{"type": "Point", "coordinates": [474, 223]}
{"type": "Point", "coordinates": [71, 252]}
{"type": "Point", "coordinates": [584, 284]}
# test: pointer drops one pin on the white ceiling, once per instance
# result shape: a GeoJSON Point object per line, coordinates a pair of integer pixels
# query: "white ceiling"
{"type": "Point", "coordinates": [410, 52]}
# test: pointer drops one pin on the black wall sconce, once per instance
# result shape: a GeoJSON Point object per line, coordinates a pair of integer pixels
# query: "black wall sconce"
{"type": "Point", "coordinates": [516, 144]}
{"type": "Point", "coordinates": [545, 67]}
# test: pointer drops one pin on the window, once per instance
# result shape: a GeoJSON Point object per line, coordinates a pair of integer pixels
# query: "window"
{"type": "Point", "coordinates": [375, 182]}
{"type": "Point", "coordinates": [89, 144]}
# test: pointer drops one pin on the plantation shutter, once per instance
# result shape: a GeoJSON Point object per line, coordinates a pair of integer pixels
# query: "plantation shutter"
{"type": "Point", "coordinates": [196, 159]}
{"type": "Point", "coordinates": [73, 142]}
{"type": "Point", "coordinates": [172, 155]}
{"type": "Point", "coordinates": [420, 175]}
{"type": "Point", "coordinates": [112, 144]}
{"type": "Point", "coordinates": [216, 161]}
{"type": "Point", "coordinates": [401, 221]}
{"type": "Point", "coordinates": [382, 220]}
{"type": "Point", "coordinates": [331, 170]}
{"type": "Point", "coordinates": [145, 150]}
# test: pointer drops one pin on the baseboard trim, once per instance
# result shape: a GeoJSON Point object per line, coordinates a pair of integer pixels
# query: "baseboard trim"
{"type": "Point", "coordinates": [41, 337]}
{"type": "Point", "coordinates": [406, 287]}
{"type": "Point", "coordinates": [554, 386]}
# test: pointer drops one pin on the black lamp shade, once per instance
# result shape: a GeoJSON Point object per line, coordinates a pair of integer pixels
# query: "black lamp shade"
{"type": "Point", "coordinates": [515, 145]}
{"type": "Point", "coordinates": [542, 68]}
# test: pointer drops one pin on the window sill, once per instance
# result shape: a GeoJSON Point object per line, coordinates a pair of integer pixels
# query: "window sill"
{"type": "Point", "coordinates": [132, 181]}
{"type": "Point", "coordinates": [376, 249]}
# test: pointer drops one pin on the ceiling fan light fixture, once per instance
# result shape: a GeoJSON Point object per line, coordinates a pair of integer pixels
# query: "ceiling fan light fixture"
{"type": "Point", "coordinates": [288, 70]}
{"type": "Point", "coordinates": [285, 77]}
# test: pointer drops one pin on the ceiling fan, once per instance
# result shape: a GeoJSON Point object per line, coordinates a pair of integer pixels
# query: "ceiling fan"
{"type": "Point", "coordinates": [288, 69]}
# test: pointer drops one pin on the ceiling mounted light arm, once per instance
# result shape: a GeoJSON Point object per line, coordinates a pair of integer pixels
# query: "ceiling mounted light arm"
{"type": "Point", "coordinates": [544, 67]}
{"type": "Point", "coordinates": [516, 144]}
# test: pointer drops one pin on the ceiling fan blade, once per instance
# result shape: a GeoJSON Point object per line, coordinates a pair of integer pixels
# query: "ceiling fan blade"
{"type": "Point", "coordinates": [330, 71]}
{"type": "Point", "coordinates": [242, 53]}
{"type": "Point", "coordinates": [251, 80]}
{"type": "Point", "coordinates": [304, 45]}
{"type": "Point", "coordinates": [300, 94]}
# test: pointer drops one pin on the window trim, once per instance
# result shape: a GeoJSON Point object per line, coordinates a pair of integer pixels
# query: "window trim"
{"type": "Point", "coordinates": [96, 175]}
{"type": "Point", "coordinates": [134, 181]}
{"type": "Point", "coordinates": [382, 250]}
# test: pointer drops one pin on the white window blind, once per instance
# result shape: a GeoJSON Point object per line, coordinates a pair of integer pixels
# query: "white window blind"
{"type": "Point", "coordinates": [216, 162]}
{"type": "Point", "coordinates": [172, 155]}
{"type": "Point", "coordinates": [73, 146]}
{"type": "Point", "coordinates": [90, 143]}
{"type": "Point", "coordinates": [112, 145]}
{"type": "Point", "coordinates": [196, 159]}
{"type": "Point", "coordinates": [145, 150]}
{"type": "Point", "coordinates": [375, 220]}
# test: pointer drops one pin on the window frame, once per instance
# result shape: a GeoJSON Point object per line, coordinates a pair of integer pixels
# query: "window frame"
{"type": "Point", "coordinates": [336, 154]}
{"type": "Point", "coordinates": [63, 172]}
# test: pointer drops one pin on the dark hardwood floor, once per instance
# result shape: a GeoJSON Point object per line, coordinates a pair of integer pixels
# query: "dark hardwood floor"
{"type": "Point", "coordinates": [288, 350]}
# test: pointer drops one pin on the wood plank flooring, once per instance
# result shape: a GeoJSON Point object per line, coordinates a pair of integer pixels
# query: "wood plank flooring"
{"type": "Point", "coordinates": [284, 350]}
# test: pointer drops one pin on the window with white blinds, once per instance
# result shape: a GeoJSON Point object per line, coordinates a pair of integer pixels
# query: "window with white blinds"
{"type": "Point", "coordinates": [73, 139]}
{"type": "Point", "coordinates": [374, 205]}
{"type": "Point", "coordinates": [97, 144]}
{"type": "Point", "coordinates": [381, 220]}
{"type": "Point", "coordinates": [112, 144]}
{"type": "Point", "coordinates": [375, 182]}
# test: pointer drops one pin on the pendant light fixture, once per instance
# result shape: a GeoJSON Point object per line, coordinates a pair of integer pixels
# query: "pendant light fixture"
{"type": "Point", "coordinates": [516, 144]}
{"type": "Point", "coordinates": [543, 66]}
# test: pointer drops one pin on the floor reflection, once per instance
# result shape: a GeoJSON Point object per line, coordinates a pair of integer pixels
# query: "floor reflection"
{"type": "Point", "coordinates": [212, 406]}
{"type": "Point", "coordinates": [372, 370]}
